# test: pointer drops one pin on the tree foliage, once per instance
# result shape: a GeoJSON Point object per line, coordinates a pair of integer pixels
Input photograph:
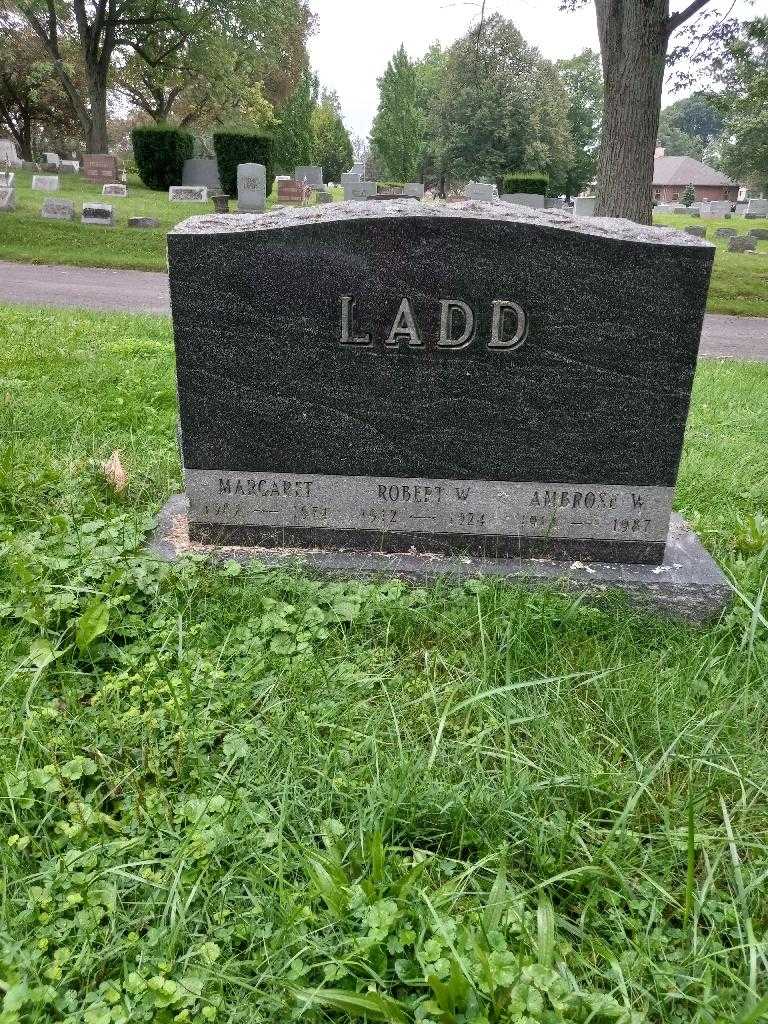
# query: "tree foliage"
{"type": "Point", "coordinates": [690, 126]}
{"type": "Point", "coordinates": [743, 72]}
{"type": "Point", "coordinates": [500, 107]}
{"type": "Point", "coordinates": [398, 128]}
{"type": "Point", "coordinates": [582, 79]}
{"type": "Point", "coordinates": [332, 145]}
{"type": "Point", "coordinates": [294, 139]}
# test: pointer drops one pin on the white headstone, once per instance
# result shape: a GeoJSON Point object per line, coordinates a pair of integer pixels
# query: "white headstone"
{"type": "Point", "coordinates": [715, 209]}
{"type": "Point", "coordinates": [99, 214]}
{"type": "Point", "coordinates": [7, 179]}
{"type": "Point", "coordinates": [414, 189]}
{"type": "Point", "coordinates": [115, 189]}
{"type": "Point", "coordinates": [351, 178]}
{"type": "Point", "coordinates": [741, 209]}
{"type": "Point", "coordinates": [45, 182]}
{"type": "Point", "coordinates": [757, 208]}
{"type": "Point", "coordinates": [7, 199]}
{"type": "Point", "coordinates": [188, 194]}
{"type": "Point", "coordinates": [524, 199]}
{"type": "Point", "coordinates": [8, 153]}
{"type": "Point", "coordinates": [58, 209]}
{"type": "Point", "coordinates": [70, 166]}
{"type": "Point", "coordinates": [312, 176]}
{"type": "Point", "coordinates": [481, 191]}
{"type": "Point", "coordinates": [584, 206]}
{"type": "Point", "coordinates": [52, 158]}
{"type": "Point", "coordinates": [251, 188]}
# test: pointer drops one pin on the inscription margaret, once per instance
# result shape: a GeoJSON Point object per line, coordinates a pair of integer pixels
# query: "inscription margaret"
{"type": "Point", "coordinates": [458, 326]}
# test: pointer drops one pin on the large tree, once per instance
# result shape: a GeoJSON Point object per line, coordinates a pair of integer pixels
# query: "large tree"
{"type": "Point", "coordinates": [743, 71]}
{"type": "Point", "coordinates": [398, 127]}
{"type": "Point", "coordinates": [332, 148]}
{"type": "Point", "coordinates": [209, 58]}
{"type": "Point", "coordinates": [690, 126]}
{"type": "Point", "coordinates": [501, 107]}
{"type": "Point", "coordinates": [33, 107]}
{"type": "Point", "coordinates": [293, 135]}
{"type": "Point", "coordinates": [582, 80]}
{"type": "Point", "coordinates": [634, 38]}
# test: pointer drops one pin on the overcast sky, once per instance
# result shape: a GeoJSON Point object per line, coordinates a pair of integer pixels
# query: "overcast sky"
{"type": "Point", "coordinates": [356, 38]}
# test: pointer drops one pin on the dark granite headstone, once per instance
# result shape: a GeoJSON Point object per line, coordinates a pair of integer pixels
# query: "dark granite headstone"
{"type": "Point", "coordinates": [472, 378]}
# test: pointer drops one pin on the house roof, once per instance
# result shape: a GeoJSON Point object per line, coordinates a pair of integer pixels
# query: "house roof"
{"type": "Point", "coordinates": [684, 170]}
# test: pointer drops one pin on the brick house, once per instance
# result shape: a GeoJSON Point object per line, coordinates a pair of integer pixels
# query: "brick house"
{"type": "Point", "coordinates": [673, 174]}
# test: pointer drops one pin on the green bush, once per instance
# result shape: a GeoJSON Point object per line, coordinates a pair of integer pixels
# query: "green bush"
{"type": "Point", "coordinates": [235, 147]}
{"type": "Point", "coordinates": [160, 152]}
{"type": "Point", "coordinates": [688, 198]}
{"type": "Point", "coordinates": [390, 186]}
{"type": "Point", "coordinates": [528, 182]}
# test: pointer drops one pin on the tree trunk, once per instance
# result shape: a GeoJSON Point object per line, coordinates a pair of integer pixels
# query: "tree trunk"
{"type": "Point", "coordinates": [633, 42]}
{"type": "Point", "coordinates": [96, 138]}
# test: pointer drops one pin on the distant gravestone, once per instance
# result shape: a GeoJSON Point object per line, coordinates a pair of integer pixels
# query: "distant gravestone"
{"type": "Point", "coordinates": [312, 176]}
{"type": "Point", "coordinates": [741, 209]}
{"type": "Point", "coordinates": [725, 232]}
{"type": "Point", "coordinates": [251, 188]}
{"type": "Point", "coordinates": [742, 243]}
{"type": "Point", "coordinates": [7, 179]}
{"type": "Point", "coordinates": [717, 208]}
{"type": "Point", "coordinates": [481, 191]}
{"type": "Point", "coordinates": [757, 208]}
{"type": "Point", "coordinates": [553, 203]}
{"type": "Point", "coordinates": [70, 167]}
{"type": "Point", "coordinates": [45, 182]}
{"type": "Point", "coordinates": [8, 154]}
{"type": "Point", "coordinates": [116, 190]}
{"type": "Point", "coordinates": [100, 168]}
{"type": "Point", "coordinates": [356, 191]}
{"type": "Point", "coordinates": [188, 194]}
{"type": "Point", "coordinates": [201, 172]}
{"type": "Point", "coordinates": [350, 179]}
{"type": "Point", "coordinates": [98, 214]}
{"type": "Point", "coordinates": [761, 233]}
{"type": "Point", "coordinates": [358, 168]}
{"type": "Point", "coordinates": [323, 196]}
{"type": "Point", "coordinates": [696, 231]}
{"type": "Point", "coordinates": [52, 158]}
{"type": "Point", "coordinates": [524, 199]}
{"type": "Point", "coordinates": [664, 208]}
{"type": "Point", "coordinates": [143, 222]}
{"type": "Point", "coordinates": [584, 206]}
{"type": "Point", "coordinates": [7, 199]}
{"type": "Point", "coordinates": [58, 209]}
{"type": "Point", "coordinates": [414, 189]}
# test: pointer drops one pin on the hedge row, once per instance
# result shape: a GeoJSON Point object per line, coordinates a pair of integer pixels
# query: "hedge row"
{"type": "Point", "coordinates": [160, 152]}
{"type": "Point", "coordinates": [529, 183]}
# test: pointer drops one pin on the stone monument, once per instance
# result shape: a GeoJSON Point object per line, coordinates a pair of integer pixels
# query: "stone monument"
{"type": "Point", "coordinates": [115, 189]}
{"type": "Point", "coordinates": [8, 154]}
{"type": "Point", "coordinates": [100, 168]}
{"type": "Point", "coordinates": [98, 215]}
{"type": "Point", "coordinates": [312, 176]}
{"type": "Point", "coordinates": [58, 209]}
{"type": "Point", "coordinates": [366, 382]}
{"type": "Point", "coordinates": [7, 199]}
{"type": "Point", "coordinates": [188, 194]}
{"type": "Point", "coordinates": [45, 182]}
{"type": "Point", "coordinates": [201, 172]}
{"type": "Point", "coordinates": [251, 188]}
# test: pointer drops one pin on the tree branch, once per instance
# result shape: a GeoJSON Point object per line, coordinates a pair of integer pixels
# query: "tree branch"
{"type": "Point", "coordinates": [676, 20]}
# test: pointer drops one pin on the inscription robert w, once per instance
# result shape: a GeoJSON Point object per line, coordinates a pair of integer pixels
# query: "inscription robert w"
{"type": "Point", "coordinates": [458, 327]}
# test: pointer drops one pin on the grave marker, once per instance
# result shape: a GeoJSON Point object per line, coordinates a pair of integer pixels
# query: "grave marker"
{"type": "Point", "coordinates": [45, 182]}
{"type": "Point", "coordinates": [312, 176]}
{"type": "Point", "coordinates": [58, 209]}
{"type": "Point", "coordinates": [188, 194]}
{"type": "Point", "coordinates": [251, 188]}
{"type": "Point", "coordinates": [489, 401]}
{"type": "Point", "coordinates": [100, 168]}
{"type": "Point", "coordinates": [116, 189]}
{"type": "Point", "coordinates": [98, 214]}
{"type": "Point", "coordinates": [7, 199]}
{"type": "Point", "coordinates": [756, 208]}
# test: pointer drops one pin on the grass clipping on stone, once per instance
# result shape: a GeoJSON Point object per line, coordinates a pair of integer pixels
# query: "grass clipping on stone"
{"type": "Point", "coordinates": [244, 795]}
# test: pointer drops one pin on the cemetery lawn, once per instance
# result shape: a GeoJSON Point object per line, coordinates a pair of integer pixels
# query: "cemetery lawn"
{"type": "Point", "coordinates": [739, 280]}
{"type": "Point", "coordinates": [245, 795]}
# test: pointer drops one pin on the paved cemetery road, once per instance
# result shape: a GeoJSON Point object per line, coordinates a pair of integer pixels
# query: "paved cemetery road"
{"type": "Point", "coordinates": [135, 291]}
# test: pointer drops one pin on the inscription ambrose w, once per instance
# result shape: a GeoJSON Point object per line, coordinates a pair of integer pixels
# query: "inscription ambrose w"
{"type": "Point", "coordinates": [509, 326]}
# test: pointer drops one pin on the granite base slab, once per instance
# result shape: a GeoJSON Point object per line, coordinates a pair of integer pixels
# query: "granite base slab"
{"type": "Point", "coordinates": [688, 585]}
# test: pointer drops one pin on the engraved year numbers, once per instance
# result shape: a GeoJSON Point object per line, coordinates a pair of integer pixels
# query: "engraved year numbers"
{"type": "Point", "coordinates": [632, 525]}
{"type": "Point", "coordinates": [314, 512]}
{"type": "Point", "coordinates": [469, 519]}
{"type": "Point", "coordinates": [383, 516]}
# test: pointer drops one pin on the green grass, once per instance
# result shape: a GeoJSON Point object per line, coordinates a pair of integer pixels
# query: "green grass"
{"type": "Point", "coordinates": [739, 282]}
{"type": "Point", "coordinates": [252, 796]}
{"type": "Point", "coordinates": [25, 237]}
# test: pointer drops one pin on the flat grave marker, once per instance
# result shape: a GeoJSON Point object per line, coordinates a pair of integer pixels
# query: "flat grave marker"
{"type": "Point", "coordinates": [115, 189]}
{"type": "Point", "coordinates": [45, 182]}
{"type": "Point", "coordinates": [188, 194]}
{"type": "Point", "coordinates": [58, 209]}
{"type": "Point", "coordinates": [98, 215]}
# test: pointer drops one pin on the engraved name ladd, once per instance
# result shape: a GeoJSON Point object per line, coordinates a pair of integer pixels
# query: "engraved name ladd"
{"type": "Point", "coordinates": [458, 327]}
{"type": "Point", "coordinates": [411, 506]}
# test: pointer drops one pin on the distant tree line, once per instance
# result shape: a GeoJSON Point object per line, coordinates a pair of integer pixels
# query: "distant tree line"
{"type": "Point", "coordinates": [77, 75]}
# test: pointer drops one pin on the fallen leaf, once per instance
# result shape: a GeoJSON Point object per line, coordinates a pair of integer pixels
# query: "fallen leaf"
{"type": "Point", "coordinates": [114, 473]}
